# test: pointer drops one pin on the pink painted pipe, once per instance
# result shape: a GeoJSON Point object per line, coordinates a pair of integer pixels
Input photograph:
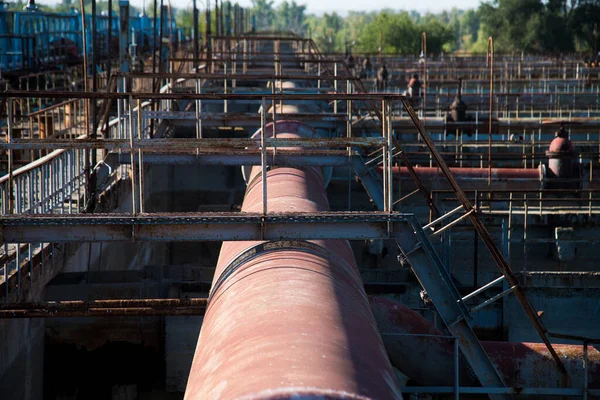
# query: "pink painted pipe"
{"type": "Point", "coordinates": [289, 322]}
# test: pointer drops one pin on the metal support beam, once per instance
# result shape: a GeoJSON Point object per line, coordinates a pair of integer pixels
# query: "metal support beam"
{"type": "Point", "coordinates": [240, 158]}
{"type": "Point", "coordinates": [197, 227]}
{"type": "Point", "coordinates": [501, 262]}
{"type": "Point", "coordinates": [124, 37]}
{"type": "Point", "coordinates": [433, 276]}
{"type": "Point", "coordinates": [105, 308]}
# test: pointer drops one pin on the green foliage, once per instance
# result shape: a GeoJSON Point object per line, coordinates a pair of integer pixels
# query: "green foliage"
{"type": "Point", "coordinates": [264, 14]}
{"type": "Point", "coordinates": [400, 34]}
{"type": "Point", "coordinates": [541, 26]}
{"type": "Point", "coordinates": [552, 26]}
{"type": "Point", "coordinates": [290, 17]}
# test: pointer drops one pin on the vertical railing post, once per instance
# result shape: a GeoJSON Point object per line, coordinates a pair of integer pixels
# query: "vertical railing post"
{"type": "Point", "coordinates": [456, 371]}
{"type": "Point", "coordinates": [6, 265]}
{"type": "Point", "coordinates": [18, 262]}
{"type": "Point", "coordinates": [390, 149]}
{"type": "Point", "coordinates": [225, 86]}
{"type": "Point", "coordinates": [132, 153]}
{"type": "Point", "coordinates": [384, 155]}
{"type": "Point", "coordinates": [319, 74]}
{"type": "Point", "coordinates": [585, 370]}
{"type": "Point", "coordinates": [140, 135]}
{"type": "Point", "coordinates": [490, 63]}
{"type": "Point", "coordinates": [424, 48]}
{"type": "Point", "coordinates": [245, 55]}
{"type": "Point", "coordinates": [198, 116]}
{"type": "Point", "coordinates": [335, 86]}
{"type": "Point", "coordinates": [263, 153]}
{"type": "Point", "coordinates": [349, 114]}
{"type": "Point", "coordinates": [9, 189]}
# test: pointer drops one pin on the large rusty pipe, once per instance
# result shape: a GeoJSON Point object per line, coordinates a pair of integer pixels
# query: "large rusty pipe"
{"type": "Point", "coordinates": [289, 319]}
{"type": "Point", "coordinates": [428, 359]}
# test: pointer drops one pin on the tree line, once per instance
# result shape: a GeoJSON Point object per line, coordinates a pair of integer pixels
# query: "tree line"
{"type": "Point", "coordinates": [531, 26]}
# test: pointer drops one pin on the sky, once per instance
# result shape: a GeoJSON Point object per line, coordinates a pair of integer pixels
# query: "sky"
{"type": "Point", "coordinates": [341, 6]}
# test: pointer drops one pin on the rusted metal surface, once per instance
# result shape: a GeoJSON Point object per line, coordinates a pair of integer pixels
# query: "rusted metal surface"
{"type": "Point", "coordinates": [241, 77]}
{"type": "Point", "coordinates": [497, 256]}
{"type": "Point", "coordinates": [474, 178]}
{"type": "Point", "coordinates": [292, 320]}
{"type": "Point", "coordinates": [105, 308]}
{"type": "Point", "coordinates": [112, 303]}
{"type": "Point", "coordinates": [197, 226]}
{"type": "Point", "coordinates": [421, 351]}
{"type": "Point", "coordinates": [561, 158]}
{"type": "Point", "coordinates": [178, 144]}
{"type": "Point", "coordinates": [102, 312]}
{"type": "Point", "coordinates": [200, 96]}
{"type": "Point", "coordinates": [475, 173]}
{"type": "Point", "coordinates": [233, 157]}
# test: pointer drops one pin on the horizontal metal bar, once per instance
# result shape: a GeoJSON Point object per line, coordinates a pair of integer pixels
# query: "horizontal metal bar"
{"type": "Point", "coordinates": [292, 58]}
{"type": "Point", "coordinates": [199, 96]}
{"type": "Point", "coordinates": [229, 116]}
{"type": "Point", "coordinates": [418, 335]}
{"type": "Point", "coordinates": [196, 227]}
{"type": "Point", "coordinates": [231, 158]}
{"type": "Point", "coordinates": [443, 217]}
{"type": "Point", "coordinates": [451, 224]}
{"type": "Point", "coordinates": [104, 312]}
{"type": "Point", "coordinates": [500, 390]}
{"type": "Point", "coordinates": [242, 77]}
{"type": "Point", "coordinates": [110, 303]}
{"type": "Point", "coordinates": [574, 337]}
{"type": "Point", "coordinates": [493, 299]}
{"type": "Point", "coordinates": [407, 196]}
{"type": "Point", "coordinates": [173, 144]}
{"type": "Point", "coordinates": [483, 288]}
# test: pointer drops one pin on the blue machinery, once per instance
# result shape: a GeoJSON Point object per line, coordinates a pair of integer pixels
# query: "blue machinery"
{"type": "Point", "coordinates": [37, 40]}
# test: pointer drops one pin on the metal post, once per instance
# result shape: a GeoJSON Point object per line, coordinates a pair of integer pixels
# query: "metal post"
{"type": "Point", "coordinates": [140, 156]}
{"type": "Point", "coordinates": [384, 130]}
{"type": "Point", "coordinates": [207, 37]}
{"type": "Point", "coordinates": [86, 101]}
{"type": "Point", "coordinates": [263, 152]}
{"type": "Point", "coordinates": [84, 41]}
{"type": "Point", "coordinates": [9, 189]}
{"type": "Point", "coordinates": [490, 62]}
{"type": "Point", "coordinates": [218, 18]}
{"type": "Point", "coordinates": [196, 54]}
{"type": "Point", "coordinates": [109, 44]}
{"type": "Point", "coordinates": [124, 39]}
{"type": "Point", "coordinates": [335, 86]}
{"type": "Point", "coordinates": [349, 115]}
{"type": "Point", "coordinates": [585, 370]}
{"type": "Point", "coordinates": [476, 248]}
{"type": "Point", "coordinates": [132, 150]}
{"type": "Point", "coordinates": [6, 265]}
{"type": "Point", "coordinates": [390, 149]}
{"type": "Point", "coordinates": [456, 371]}
{"type": "Point", "coordinates": [198, 110]}
{"type": "Point", "coordinates": [424, 47]}
{"type": "Point", "coordinates": [225, 86]}
{"type": "Point", "coordinates": [18, 261]}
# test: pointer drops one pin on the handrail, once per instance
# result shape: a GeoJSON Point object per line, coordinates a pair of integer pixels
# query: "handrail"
{"type": "Point", "coordinates": [49, 108]}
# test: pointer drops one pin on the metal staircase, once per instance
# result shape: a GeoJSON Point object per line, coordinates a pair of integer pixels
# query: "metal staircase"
{"type": "Point", "coordinates": [418, 252]}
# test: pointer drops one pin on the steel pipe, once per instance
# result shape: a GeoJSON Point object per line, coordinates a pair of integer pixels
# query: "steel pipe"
{"type": "Point", "coordinates": [289, 319]}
